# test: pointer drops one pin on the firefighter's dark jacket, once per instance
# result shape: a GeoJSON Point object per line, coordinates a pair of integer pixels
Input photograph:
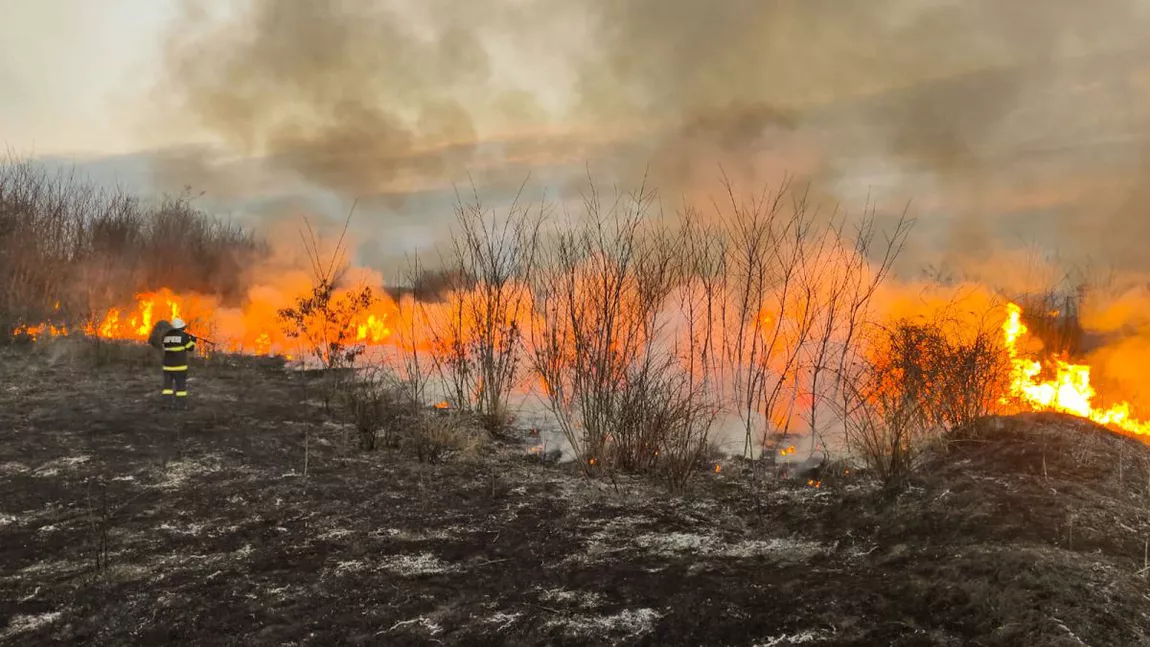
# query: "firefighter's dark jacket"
{"type": "Point", "coordinates": [177, 343]}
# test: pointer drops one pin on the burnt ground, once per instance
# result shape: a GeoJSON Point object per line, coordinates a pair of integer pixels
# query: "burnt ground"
{"type": "Point", "coordinates": [121, 523]}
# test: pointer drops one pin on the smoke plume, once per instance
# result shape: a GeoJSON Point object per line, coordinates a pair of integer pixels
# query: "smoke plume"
{"type": "Point", "coordinates": [1000, 120]}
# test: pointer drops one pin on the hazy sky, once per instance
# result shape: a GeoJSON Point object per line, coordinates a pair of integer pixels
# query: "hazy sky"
{"type": "Point", "coordinates": [73, 72]}
{"type": "Point", "coordinates": [1002, 120]}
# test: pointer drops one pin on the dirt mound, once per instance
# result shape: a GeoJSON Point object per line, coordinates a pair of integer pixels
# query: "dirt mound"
{"type": "Point", "coordinates": [1051, 445]}
{"type": "Point", "coordinates": [1029, 529]}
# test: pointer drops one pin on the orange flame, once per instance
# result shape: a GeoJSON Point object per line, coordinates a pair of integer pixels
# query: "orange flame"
{"type": "Point", "coordinates": [36, 332]}
{"type": "Point", "coordinates": [1068, 391]}
{"type": "Point", "coordinates": [254, 328]}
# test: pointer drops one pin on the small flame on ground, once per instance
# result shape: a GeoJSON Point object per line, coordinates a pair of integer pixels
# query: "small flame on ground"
{"type": "Point", "coordinates": [814, 483]}
{"type": "Point", "coordinates": [442, 405]}
{"type": "Point", "coordinates": [789, 451]}
{"type": "Point", "coordinates": [718, 468]}
{"type": "Point", "coordinates": [36, 332]}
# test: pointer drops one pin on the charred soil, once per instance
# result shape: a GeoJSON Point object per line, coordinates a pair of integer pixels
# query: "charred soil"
{"type": "Point", "coordinates": [122, 523]}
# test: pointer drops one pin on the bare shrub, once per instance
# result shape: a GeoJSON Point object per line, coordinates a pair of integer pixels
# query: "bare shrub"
{"type": "Point", "coordinates": [323, 317]}
{"type": "Point", "coordinates": [379, 408]}
{"type": "Point", "coordinates": [921, 380]}
{"type": "Point", "coordinates": [478, 335]}
{"type": "Point", "coordinates": [664, 426]}
{"type": "Point", "coordinates": [978, 374]}
{"type": "Point", "coordinates": [623, 393]}
{"type": "Point", "coordinates": [762, 336]}
{"type": "Point", "coordinates": [845, 273]}
{"type": "Point", "coordinates": [779, 294]}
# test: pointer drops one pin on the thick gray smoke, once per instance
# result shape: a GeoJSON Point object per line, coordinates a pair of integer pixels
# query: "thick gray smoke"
{"type": "Point", "coordinates": [1000, 119]}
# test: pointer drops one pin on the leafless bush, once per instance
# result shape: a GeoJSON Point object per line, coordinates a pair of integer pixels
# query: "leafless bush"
{"type": "Point", "coordinates": [378, 404]}
{"type": "Point", "coordinates": [478, 335]}
{"type": "Point", "coordinates": [664, 425]}
{"type": "Point", "coordinates": [413, 365]}
{"type": "Point", "coordinates": [761, 268]}
{"type": "Point", "coordinates": [920, 380]}
{"type": "Point", "coordinates": [784, 290]}
{"type": "Point", "coordinates": [379, 408]}
{"type": "Point", "coordinates": [847, 272]}
{"type": "Point", "coordinates": [623, 392]}
{"type": "Point", "coordinates": [323, 317]}
{"type": "Point", "coordinates": [979, 374]}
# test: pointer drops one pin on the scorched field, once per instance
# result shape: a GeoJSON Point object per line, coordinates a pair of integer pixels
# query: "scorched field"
{"type": "Point", "coordinates": [250, 519]}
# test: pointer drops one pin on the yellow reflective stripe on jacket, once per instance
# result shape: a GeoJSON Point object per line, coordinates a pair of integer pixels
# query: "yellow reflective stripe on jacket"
{"type": "Point", "coordinates": [176, 368]}
{"type": "Point", "coordinates": [175, 349]}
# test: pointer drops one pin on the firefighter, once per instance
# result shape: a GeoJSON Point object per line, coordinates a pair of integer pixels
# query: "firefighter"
{"type": "Point", "coordinates": [177, 344]}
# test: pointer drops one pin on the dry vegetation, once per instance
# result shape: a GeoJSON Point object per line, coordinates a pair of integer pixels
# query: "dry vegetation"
{"type": "Point", "coordinates": [477, 338]}
{"type": "Point", "coordinates": [336, 505]}
{"type": "Point", "coordinates": [642, 331]}
{"type": "Point", "coordinates": [919, 382]}
{"type": "Point", "coordinates": [69, 250]}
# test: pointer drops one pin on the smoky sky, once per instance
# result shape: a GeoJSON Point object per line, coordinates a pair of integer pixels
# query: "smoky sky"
{"type": "Point", "coordinates": [997, 119]}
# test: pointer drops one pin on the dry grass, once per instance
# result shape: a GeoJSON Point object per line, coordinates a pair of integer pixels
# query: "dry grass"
{"type": "Point", "coordinates": [435, 437]}
{"type": "Point", "coordinates": [377, 408]}
{"type": "Point", "coordinates": [385, 414]}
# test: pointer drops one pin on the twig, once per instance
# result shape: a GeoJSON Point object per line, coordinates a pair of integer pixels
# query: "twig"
{"type": "Point", "coordinates": [306, 449]}
{"type": "Point", "coordinates": [548, 609]}
{"type": "Point", "coordinates": [494, 561]}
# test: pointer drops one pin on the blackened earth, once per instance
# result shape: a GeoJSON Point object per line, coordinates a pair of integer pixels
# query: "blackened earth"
{"type": "Point", "coordinates": [121, 523]}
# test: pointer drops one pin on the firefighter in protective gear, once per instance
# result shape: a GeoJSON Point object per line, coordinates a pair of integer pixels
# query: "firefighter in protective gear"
{"type": "Point", "coordinates": [177, 344]}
